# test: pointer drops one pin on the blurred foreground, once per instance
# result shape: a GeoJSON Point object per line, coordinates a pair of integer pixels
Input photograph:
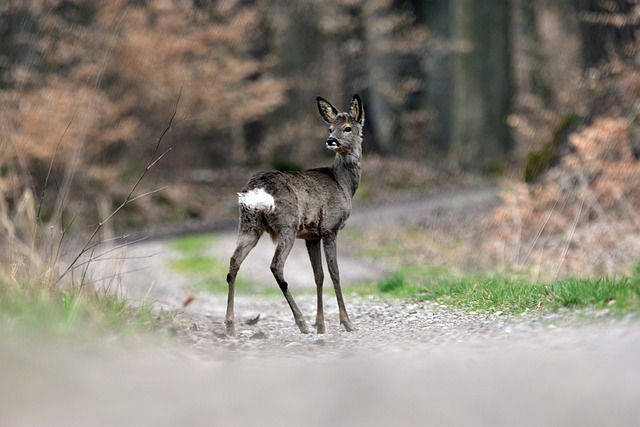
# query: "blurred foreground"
{"type": "Point", "coordinates": [585, 376]}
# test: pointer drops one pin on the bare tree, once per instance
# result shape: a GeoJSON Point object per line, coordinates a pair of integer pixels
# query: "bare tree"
{"type": "Point", "coordinates": [482, 85]}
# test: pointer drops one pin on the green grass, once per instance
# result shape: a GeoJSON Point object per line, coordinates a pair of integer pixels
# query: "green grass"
{"type": "Point", "coordinates": [192, 243]}
{"type": "Point", "coordinates": [514, 295]}
{"type": "Point", "coordinates": [209, 273]}
{"type": "Point", "coordinates": [404, 283]}
{"type": "Point", "coordinates": [79, 311]}
{"type": "Point", "coordinates": [620, 296]}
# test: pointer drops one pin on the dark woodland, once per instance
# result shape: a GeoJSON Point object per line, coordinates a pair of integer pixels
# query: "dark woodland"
{"type": "Point", "coordinates": [451, 86]}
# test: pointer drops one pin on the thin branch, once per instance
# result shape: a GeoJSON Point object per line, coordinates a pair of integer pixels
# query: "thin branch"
{"type": "Point", "coordinates": [149, 193]}
{"type": "Point", "coordinates": [55, 153]}
{"type": "Point", "coordinates": [153, 160]}
{"type": "Point", "coordinates": [158, 159]}
{"type": "Point", "coordinates": [85, 270]}
{"type": "Point", "coordinates": [113, 276]}
{"type": "Point", "coordinates": [99, 257]}
{"type": "Point", "coordinates": [56, 256]}
{"type": "Point", "coordinates": [124, 236]}
{"type": "Point", "coordinates": [570, 233]}
{"type": "Point", "coordinates": [527, 259]}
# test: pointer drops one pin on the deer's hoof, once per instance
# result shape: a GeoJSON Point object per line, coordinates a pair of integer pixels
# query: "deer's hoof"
{"type": "Point", "coordinates": [231, 329]}
{"type": "Point", "coordinates": [303, 328]}
{"type": "Point", "coordinates": [348, 326]}
{"type": "Point", "coordinates": [320, 328]}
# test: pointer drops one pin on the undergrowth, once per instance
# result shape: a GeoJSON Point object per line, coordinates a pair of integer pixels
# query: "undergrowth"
{"type": "Point", "coordinates": [34, 307]}
{"type": "Point", "coordinates": [46, 283]}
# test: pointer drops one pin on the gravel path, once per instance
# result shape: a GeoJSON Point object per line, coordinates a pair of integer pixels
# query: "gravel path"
{"type": "Point", "coordinates": [408, 363]}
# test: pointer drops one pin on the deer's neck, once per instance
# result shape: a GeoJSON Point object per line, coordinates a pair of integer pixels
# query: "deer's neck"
{"type": "Point", "coordinates": [348, 168]}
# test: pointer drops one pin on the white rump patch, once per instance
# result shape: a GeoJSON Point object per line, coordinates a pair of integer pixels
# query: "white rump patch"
{"type": "Point", "coordinates": [257, 199]}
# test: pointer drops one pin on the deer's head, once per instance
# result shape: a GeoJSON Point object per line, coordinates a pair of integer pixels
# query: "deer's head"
{"type": "Point", "coordinates": [345, 129]}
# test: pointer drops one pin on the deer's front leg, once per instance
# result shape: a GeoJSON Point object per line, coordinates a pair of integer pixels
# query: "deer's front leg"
{"type": "Point", "coordinates": [313, 248]}
{"type": "Point", "coordinates": [330, 251]}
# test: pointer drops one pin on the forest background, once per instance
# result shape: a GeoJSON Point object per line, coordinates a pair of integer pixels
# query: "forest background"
{"type": "Point", "coordinates": [452, 90]}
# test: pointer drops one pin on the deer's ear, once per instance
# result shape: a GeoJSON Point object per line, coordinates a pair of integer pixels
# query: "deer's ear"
{"type": "Point", "coordinates": [327, 111]}
{"type": "Point", "coordinates": [357, 112]}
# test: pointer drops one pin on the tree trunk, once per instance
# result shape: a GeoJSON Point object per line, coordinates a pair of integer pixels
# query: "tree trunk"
{"type": "Point", "coordinates": [482, 85]}
{"type": "Point", "coordinates": [608, 30]}
{"type": "Point", "coordinates": [379, 66]}
{"type": "Point", "coordinates": [439, 79]}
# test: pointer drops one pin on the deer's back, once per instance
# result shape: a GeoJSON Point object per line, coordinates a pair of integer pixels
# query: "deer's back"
{"type": "Point", "coordinates": [311, 201]}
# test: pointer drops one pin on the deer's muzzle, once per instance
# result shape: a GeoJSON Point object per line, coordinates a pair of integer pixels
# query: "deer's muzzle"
{"type": "Point", "coordinates": [332, 142]}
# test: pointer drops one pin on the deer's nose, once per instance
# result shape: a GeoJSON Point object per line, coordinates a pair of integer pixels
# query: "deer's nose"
{"type": "Point", "coordinates": [332, 142]}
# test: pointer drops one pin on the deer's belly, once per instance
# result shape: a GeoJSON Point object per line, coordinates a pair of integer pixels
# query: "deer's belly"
{"type": "Point", "coordinates": [315, 230]}
{"type": "Point", "coordinates": [308, 232]}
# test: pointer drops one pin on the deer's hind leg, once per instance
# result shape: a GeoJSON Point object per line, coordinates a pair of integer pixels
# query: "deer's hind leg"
{"type": "Point", "coordinates": [247, 240]}
{"type": "Point", "coordinates": [313, 248]}
{"type": "Point", "coordinates": [285, 244]}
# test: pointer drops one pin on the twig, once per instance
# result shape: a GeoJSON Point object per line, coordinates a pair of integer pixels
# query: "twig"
{"type": "Point", "coordinates": [153, 160]}
{"type": "Point", "coordinates": [85, 270]}
{"type": "Point", "coordinates": [99, 257]}
{"type": "Point", "coordinates": [147, 194]}
{"type": "Point", "coordinates": [55, 152]}
{"type": "Point", "coordinates": [572, 230]}
{"type": "Point", "coordinates": [55, 257]}
{"type": "Point", "coordinates": [113, 276]}
{"type": "Point", "coordinates": [527, 259]}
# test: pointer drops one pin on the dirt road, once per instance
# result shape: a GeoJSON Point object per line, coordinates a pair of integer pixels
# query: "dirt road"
{"type": "Point", "coordinates": [408, 363]}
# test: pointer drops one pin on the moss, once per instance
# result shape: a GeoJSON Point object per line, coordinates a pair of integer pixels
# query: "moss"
{"type": "Point", "coordinates": [538, 161]}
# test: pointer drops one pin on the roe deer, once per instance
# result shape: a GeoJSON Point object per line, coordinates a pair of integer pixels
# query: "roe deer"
{"type": "Point", "coordinates": [312, 205]}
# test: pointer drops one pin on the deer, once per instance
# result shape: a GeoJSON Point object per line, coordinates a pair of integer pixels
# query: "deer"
{"type": "Point", "coordinates": [312, 205]}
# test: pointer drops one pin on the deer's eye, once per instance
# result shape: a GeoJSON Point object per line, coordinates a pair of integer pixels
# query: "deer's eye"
{"type": "Point", "coordinates": [347, 129]}
{"type": "Point", "coordinates": [330, 130]}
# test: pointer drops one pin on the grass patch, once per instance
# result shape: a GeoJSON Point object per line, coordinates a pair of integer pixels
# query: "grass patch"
{"type": "Point", "coordinates": [502, 294]}
{"type": "Point", "coordinates": [197, 264]}
{"type": "Point", "coordinates": [79, 311]}
{"type": "Point", "coordinates": [411, 280]}
{"type": "Point", "coordinates": [45, 287]}
{"type": "Point", "coordinates": [620, 296]}
{"type": "Point", "coordinates": [192, 243]}
{"type": "Point", "coordinates": [209, 273]}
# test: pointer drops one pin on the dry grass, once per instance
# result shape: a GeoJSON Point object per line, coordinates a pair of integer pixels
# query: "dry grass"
{"type": "Point", "coordinates": [46, 277]}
